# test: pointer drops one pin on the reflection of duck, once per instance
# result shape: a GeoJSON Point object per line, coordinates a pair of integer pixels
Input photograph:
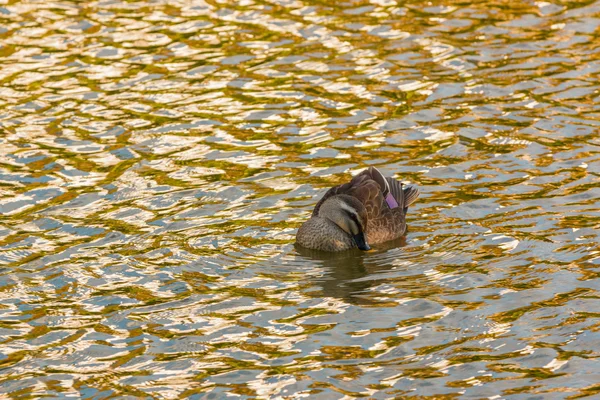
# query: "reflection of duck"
{"type": "Point", "coordinates": [369, 209]}
{"type": "Point", "coordinates": [343, 271]}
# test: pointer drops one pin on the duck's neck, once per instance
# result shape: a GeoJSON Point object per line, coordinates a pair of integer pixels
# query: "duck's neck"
{"type": "Point", "coordinates": [322, 234]}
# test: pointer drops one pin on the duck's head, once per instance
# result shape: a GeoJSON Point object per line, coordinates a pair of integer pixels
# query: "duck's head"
{"type": "Point", "coordinates": [350, 215]}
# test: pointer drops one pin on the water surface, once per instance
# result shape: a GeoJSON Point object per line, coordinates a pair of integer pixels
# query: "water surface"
{"type": "Point", "coordinates": [157, 157]}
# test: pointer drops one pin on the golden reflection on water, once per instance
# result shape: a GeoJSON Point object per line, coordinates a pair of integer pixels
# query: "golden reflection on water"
{"type": "Point", "coordinates": [157, 157]}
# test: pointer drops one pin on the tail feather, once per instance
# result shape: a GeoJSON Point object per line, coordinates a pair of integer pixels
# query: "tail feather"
{"type": "Point", "coordinates": [411, 194]}
{"type": "Point", "coordinates": [396, 191]}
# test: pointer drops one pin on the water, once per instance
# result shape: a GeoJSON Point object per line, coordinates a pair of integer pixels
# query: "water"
{"type": "Point", "coordinates": [157, 158]}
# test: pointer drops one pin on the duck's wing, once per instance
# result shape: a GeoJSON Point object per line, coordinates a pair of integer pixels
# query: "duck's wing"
{"type": "Point", "coordinates": [394, 192]}
{"type": "Point", "coordinates": [370, 187]}
{"type": "Point", "coordinates": [340, 189]}
{"type": "Point", "coordinates": [381, 196]}
{"type": "Point", "coordinates": [385, 214]}
{"type": "Point", "coordinates": [385, 194]}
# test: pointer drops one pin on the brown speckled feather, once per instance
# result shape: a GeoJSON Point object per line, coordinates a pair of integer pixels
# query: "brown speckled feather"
{"type": "Point", "coordinates": [368, 187]}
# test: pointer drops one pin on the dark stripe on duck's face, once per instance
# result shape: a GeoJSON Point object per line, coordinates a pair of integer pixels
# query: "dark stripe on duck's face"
{"type": "Point", "coordinates": [354, 218]}
{"type": "Point", "coordinates": [361, 241]}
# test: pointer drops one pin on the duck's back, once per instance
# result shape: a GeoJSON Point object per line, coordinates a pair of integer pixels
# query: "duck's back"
{"type": "Point", "coordinates": [385, 199]}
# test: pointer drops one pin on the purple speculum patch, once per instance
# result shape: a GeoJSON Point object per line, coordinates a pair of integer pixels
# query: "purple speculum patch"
{"type": "Point", "coordinates": [391, 201]}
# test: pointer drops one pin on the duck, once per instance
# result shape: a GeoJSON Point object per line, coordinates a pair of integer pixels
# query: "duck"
{"type": "Point", "coordinates": [368, 210]}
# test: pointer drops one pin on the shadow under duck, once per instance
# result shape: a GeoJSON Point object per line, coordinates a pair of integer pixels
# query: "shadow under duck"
{"type": "Point", "coordinates": [369, 209]}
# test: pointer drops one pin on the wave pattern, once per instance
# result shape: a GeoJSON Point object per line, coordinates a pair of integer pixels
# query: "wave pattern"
{"type": "Point", "coordinates": [156, 159]}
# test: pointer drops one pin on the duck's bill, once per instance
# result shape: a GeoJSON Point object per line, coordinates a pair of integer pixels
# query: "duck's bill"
{"type": "Point", "coordinates": [361, 242]}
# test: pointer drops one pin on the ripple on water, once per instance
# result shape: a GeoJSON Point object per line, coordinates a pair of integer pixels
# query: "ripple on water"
{"type": "Point", "coordinates": [157, 159]}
